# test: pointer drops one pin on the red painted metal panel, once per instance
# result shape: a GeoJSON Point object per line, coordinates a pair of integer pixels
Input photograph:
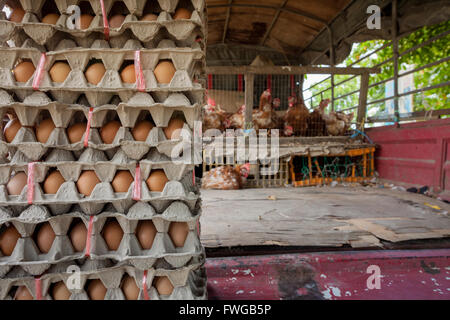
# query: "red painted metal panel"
{"type": "Point", "coordinates": [405, 274]}
{"type": "Point", "coordinates": [416, 153]}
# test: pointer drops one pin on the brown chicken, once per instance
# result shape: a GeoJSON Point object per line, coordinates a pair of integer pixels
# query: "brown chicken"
{"type": "Point", "coordinates": [266, 117]}
{"type": "Point", "coordinates": [236, 120]}
{"type": "Point", "coordinates": [338, 123]}
{"type": "Point", "coordinates": [296, 118]}
{"type": "Point", "coordinates": [213, 116]}
{"type": "Point", "coordinates": [226, 177]}
{"type": "Point", "coordinates": [317, 126]}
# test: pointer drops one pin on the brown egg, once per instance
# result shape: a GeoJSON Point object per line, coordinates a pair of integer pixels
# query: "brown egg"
{"type": "Point", "coordinates": [173, 130]}
{"type": "Point", "coordinates": [178, 232]}
{"type": "Point", "coordinates": [24, 71]}
{"type": "Point", "coordinates": [85, 21]}
{"type": "Point", "coordinates": [113, 234]}
{"type": "Point", "coordinates": [96, 290]}
{"type": "Point", "coordinates": [182, 13]}
{"type": "Point", "coordinates": [8, 240]}
{"type": "Point", "coordinates": [128, 75]}
{"type": "Point", "coordinates": [108, 131]}
{"type": "Point", "coordinates": [78, 236]}
{"type": "Point", "coordinates": [45, 237]}
{"type": "Point", "coordinates": [16, 184]}
{"type": "Point", "coordinates": [11, 129]}
{"type": "Point", "coordinates": [44, 129]}
{"type": "Point", "coordinates": [163, 285]}
{"type": "Point", "coordinates": [60, 291]}
{"type": "Point", "coordinates": [59, 72]}
{"type": "Point", "coordinates": [95, 73]}
{"type": "Point", "coordinates": [149, 17]}
{"type": "Point", "coordinates": [122, 181]}
{"type": "Point", "coordinates": [164, 72]}
{"type": "Point", "coordinates": [51, 18]}
{"type": "Point", "coordinates": [116, 21]}
{"type": "Point", "coordinates": [53, 182]}
{"type": "Point", "coordinates": [23, 293]}
{"type": "Point", "coordinates": [157, 181]}
{"type": "Point", "coordinates": [17, 15]}
{"type": "Point", "coordinates": [145, 233]}
{"type": "Point", "coordinates": [130, 288]}
{"type": "Point", "coordinates": [87, 182]}
{"type": "Point", "coordinates": [141, 130]}
{"type": "Point", "coordinates": [76, 131]}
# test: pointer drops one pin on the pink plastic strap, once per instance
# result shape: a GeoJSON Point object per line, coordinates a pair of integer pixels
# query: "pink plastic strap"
{"type": "Point", "coordinates": [140, 80]}
{"type": "Point", "coordinates": [89, 236]}
{"type": "Point", "coordinates": [193, 177]}
{"type": "Point", "coordinates": [144, 286]}
{"type": "Point", "coordinates": [88, 128]}
{"type": "Point", "coordinates": [137, 184]}
{"type": "Point", "coordinates": [38, 288]}
{"type": "Point", "coordinates": [198, 227]}
{"type": "Point", "coordinates": [39, 72]}
{"type": "Point", "coordinates": [30, 183]}
{"type": "Point", "coordinates": [105, 20]}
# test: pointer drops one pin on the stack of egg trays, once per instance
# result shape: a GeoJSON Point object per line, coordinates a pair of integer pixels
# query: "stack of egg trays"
{"type": "Point", "coordinates": [177, 41]}
{"type": "Point", "coordinates": [183, 32]}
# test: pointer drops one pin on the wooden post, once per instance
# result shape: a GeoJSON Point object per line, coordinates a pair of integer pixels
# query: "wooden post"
{"type": "Point", "coordinates": [362, 108]}
{"type": "Point", "coordinates": [249, 92]}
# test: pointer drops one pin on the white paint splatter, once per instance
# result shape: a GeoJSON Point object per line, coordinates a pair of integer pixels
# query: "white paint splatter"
{"type": "Point", "coordinates": [327, 294]}
{"type": "Point", "coordinates": [253, 292]}
{"type": "Point", "coordinates": [323, 276]}
{"type": "Point", "coordinates": [348, 294]}
{"type": "Point", "coordinates": [336, 291]}
{"type": "Point", "coordinates": [235, 271]}
{"type": "Point", "coordinates": [240, 292]}
{"type": "Point", "coordinates": [247, 272]}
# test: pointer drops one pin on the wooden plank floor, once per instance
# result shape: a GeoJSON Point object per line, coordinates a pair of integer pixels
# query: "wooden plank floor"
{"type": "Point", "coordinates": [329, 217]}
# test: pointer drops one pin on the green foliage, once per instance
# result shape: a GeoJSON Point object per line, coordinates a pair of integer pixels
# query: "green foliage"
{"type": "Point", "coordinates": [429, 100]}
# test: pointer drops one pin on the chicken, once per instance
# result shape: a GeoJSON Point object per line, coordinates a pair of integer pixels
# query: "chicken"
{"type": "Point", "coordinates": [317, 126]}
{"type": "Point", "coordinates": [338, 123]}
{"type": "Point", "coordinates": [213, 116]}
{"type": "Point", "coordinates": [265, 117]}
{"type": "Point", "coordinates": [226, 177]}
{"type": "Point", "coordinates": [236, 120]}
{"type": "Point", "coordinates": [296, 118]}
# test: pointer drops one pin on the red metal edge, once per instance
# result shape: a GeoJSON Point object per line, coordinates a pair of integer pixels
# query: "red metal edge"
{"type": "Point", "coordinates": [404, 274]}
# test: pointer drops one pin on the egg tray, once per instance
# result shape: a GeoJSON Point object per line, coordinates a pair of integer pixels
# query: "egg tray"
{"type": "Point", "coordinates": [27, 255]}
{"type": "Point", "coordinates": [25, 142]}
{"type": "Point", "coordinates": [186, 63]}
{"type": "Point", "coordinates": [127, 113]}
{"type": "Point", "coordinates": [142, 30]}
{"type": "Point", "coordinates": [189, 283]}
{"type": "Point", "coordinates": [70, 167]}
{"type": "Point", "coordinates": [102, 193]}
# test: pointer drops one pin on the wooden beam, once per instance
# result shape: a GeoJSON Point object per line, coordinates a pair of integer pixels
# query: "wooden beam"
{"type": "Point", "coordinates": [262, 6]}
{"type": "Point", "coordinates": [288, 70]}
{"type": "Point", "coordinates": [227, 22]}
{"type": "Point", "coordinates": [417, 115]}
{"type": "Point", "coordinates": [274, 21]}
{"type": "Point", "coordinates": [249, 91]}
{"type": "Point", "coordinates": [362, 108]}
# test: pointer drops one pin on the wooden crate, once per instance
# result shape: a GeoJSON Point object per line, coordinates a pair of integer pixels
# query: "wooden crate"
{"type": "Point", "coordinates": [358, 166]}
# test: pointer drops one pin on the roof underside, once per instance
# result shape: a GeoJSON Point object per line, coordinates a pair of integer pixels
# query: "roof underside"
{"type": "Point", "coordinates": [298, 31]}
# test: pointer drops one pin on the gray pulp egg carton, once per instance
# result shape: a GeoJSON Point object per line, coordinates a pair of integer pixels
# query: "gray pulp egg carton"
{"type": "Point", "coordinates": [145, 31]}
{"type": "Point", "coordinates": [103, 193]}
{"type": "Point", "coordinates": [27, 255]}
{"type": "Point", "coordinates": [189, 283]}
{"type": "Point", "coordinates": [187, 64]}
{"type": "Point", "coordinates": [128, 113]}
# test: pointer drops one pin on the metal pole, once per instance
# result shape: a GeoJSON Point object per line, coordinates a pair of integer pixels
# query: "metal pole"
{"type": "Point", "coordinates": [396, 58]}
